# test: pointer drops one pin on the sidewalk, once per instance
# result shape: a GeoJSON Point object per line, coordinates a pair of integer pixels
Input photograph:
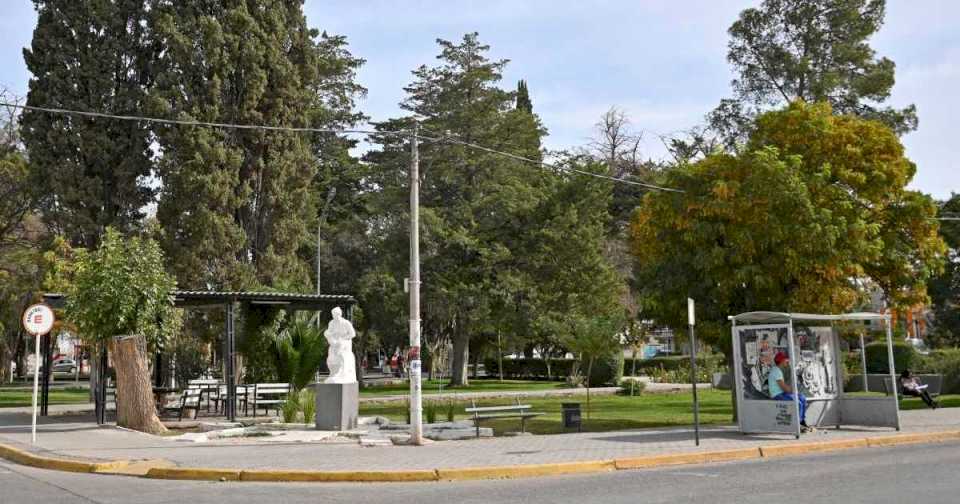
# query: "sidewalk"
{"type": "Point", "coordinates": [79, 438]}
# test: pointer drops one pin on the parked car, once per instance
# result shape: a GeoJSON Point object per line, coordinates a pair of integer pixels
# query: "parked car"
{"type": "Point", "coordinates": [65, 366]}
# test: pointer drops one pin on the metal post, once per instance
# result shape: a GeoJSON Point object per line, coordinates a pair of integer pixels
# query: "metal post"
{"type": "Point", "coordinates": [893, 372]}
{"type": "Point", "coordinates": [415, 398]}
{"type": "Point", "coordinates": [863, 363]}
{"type": "Point", "coordinates": [45, 382]}
{"type": "Point", "coordinates": [693, 373]}
{"type": "Point", "coordinates": [36, 380]}
{"type": "Point", "coordinates": [229, 407]}
{"type": "Point", "coordinates": [793, 379]}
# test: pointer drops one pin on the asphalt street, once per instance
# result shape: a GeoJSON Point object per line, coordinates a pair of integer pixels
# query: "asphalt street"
{"type": "Point", "coordinates": [915, 474]}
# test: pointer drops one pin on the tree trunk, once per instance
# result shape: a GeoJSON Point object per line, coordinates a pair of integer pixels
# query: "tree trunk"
{"type": "Point", "coordinates": [135, 405]}
{"type": "Point", "coordinates": [461, 359]}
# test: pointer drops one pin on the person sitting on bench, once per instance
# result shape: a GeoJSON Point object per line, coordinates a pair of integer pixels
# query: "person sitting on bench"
{"type": "Point", "coordinates": [910, 386]}
{"type": "Point", "coordinates": [780, 390]}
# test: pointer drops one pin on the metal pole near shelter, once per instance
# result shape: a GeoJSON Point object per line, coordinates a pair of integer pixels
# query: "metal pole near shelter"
{"type": "Point", "coordinates": [893, 372]}
{"type": "Point", "coordinates": [793, 378]}
{"type": "Point", "coordinates": [693, 372]}
{"type": "Point", "coordinates": [414, 283]}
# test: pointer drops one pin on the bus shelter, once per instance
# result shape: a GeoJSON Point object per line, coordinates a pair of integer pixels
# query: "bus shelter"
{"type": "Point", "coordinates": [812, 344]}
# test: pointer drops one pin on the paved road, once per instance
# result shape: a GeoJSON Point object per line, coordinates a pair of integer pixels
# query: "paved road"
{"type": "Point", "coordinates": [914, 474]}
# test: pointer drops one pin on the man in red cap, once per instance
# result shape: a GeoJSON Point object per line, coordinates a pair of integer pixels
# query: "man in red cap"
{"type": "Point", "coordinates": [780, 390]}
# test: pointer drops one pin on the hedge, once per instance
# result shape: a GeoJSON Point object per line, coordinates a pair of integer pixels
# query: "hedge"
{"type": "Point", "coordinates": [945, 362]}
{"type": "Point", "coordinates": [605, 371]}
{"type": "Point", "coordinates": [904, 357]}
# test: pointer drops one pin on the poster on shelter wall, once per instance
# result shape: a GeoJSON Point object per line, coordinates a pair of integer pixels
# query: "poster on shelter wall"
{"type": "Point", "coordinates": [816, 366]}
{"type": "Point", "coordinates": [758, 346]}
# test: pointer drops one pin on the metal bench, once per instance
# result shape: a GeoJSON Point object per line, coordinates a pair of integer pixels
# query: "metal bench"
{"type": "Point", "coordinates": [521, 411]}
{"type": "Point", "coordinates": [269, 394]}
{"type": "Point", "coordinates": [934, 385]}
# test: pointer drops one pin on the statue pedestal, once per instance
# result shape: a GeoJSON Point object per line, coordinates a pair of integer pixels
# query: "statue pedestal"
{"type": "Point", "coordinates": [338, 406]}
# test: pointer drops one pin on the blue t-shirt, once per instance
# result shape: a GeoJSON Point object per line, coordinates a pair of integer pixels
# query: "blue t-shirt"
{"type": "Point", "coordinates": [773, 379]}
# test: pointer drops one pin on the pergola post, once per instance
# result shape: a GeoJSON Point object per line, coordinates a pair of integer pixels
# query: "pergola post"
{"type": "Point", "coordinates": [893, 372]}
{"type": "Point", "coordinates": [229, 347]}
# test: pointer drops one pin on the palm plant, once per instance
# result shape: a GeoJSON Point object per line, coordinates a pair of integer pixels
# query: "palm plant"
{"type": "Point", "coordinates": [300, 349]}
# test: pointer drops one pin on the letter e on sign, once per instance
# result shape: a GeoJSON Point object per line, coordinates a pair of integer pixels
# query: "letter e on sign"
{"type": "Point", "coordinates": [38, 319]}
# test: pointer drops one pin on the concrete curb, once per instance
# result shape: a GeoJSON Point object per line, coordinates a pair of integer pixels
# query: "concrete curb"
{"type": "Point", "coordinates": [160, 469]}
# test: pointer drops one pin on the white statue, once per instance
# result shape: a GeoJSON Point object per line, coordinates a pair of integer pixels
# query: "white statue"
{"type": "Point", "coordinates": [340, 358]}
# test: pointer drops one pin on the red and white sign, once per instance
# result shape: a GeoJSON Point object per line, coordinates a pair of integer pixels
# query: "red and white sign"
{"type": "Point", "coordinates": [38, 319]}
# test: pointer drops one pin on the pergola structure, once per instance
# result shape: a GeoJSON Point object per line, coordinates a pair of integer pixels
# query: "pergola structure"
{"type": "Point", "coordinates": [226, 300]}
{"type": "Point", "coordinates": [811, 342]}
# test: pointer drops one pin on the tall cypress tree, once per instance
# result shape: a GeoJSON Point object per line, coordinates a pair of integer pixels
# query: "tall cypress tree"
{"type": "Point", "coordinates": [523, 98]}
{"type": "Point", "coordinates": [88, 173]}
{"type": "Point", "coordinates": [239, 207]}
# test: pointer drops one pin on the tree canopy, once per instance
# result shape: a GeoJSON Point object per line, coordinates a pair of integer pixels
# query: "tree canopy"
{"type": "Point", "coordinates": [811, 50]}
{"type": "Point", "coordinates": [816, 202]}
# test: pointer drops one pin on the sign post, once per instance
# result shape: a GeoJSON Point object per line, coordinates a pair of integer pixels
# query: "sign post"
{"type": "Point", "coordinates": [693, 372]}
{"type": "Point", "coordinates": [37, 321]}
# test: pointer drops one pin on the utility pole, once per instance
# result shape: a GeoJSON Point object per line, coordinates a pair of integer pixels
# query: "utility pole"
{"type": "Point", "coordinates": [416, 435]}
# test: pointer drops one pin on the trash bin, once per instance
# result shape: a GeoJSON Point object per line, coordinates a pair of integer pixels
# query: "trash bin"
{"type": "Point", "coordinates": [571, 415]}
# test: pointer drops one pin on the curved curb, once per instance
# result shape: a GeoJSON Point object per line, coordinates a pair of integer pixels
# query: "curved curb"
{"type": "Point", "coordinates": [159, 469]}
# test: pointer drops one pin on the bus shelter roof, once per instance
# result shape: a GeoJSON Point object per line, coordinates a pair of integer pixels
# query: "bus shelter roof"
{"type": "Point", "coordinates": [769, 317]}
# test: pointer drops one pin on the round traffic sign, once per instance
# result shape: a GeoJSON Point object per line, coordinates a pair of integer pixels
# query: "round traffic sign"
{"type": "Point", "coordinates": [38, 319]}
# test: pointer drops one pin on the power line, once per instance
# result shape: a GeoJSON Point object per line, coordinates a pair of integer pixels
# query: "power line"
{"type": "Point", "coordinates": [447, 138]}
{"type": "Point", "coordinates": [452, 139]}
{"type": "Point", "coordinates": [182, 122]}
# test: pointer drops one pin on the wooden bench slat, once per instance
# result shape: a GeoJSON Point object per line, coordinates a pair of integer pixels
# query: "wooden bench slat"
{"type": "Point", "coordinates": [507, 415]}
{"type": "Point", "coordinates": [499, 408]}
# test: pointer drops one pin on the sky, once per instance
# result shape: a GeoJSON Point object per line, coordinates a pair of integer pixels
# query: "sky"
{"type": "Point", "coordinates": [663, 62]}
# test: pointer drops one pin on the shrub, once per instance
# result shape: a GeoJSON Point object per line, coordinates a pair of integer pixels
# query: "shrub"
{"type": "Point", "coordinates": [430, 411]}
{"type": "Point", "coordinates": [945, 362]}
{"type": "Point", "coordinates": [904, 357]}
{"type": "Point", "coordinates": [451, 410]}
{"type": "Point", "coordinates": [632, 385]}
{"type": "Point", "coordinates": [606, 370]}
{"type": "Point", "coordinates": [308, 405]}
{"type": "Point", "coordinates": [290, 409]}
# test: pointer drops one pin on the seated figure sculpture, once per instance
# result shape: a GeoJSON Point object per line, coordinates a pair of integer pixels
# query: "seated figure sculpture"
{"type": "Point", "coordinates": [340, 360]}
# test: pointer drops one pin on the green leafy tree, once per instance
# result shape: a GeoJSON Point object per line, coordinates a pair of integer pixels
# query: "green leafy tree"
{"type": "Point", "coordinates": [239, 207]}
{"type": "Point", "coordinates": [88, 173]}
{"type": "Point", "coordinates": [591, 337]}
{"type": "Point", "coordinates": [120, 296]}
{"type": "Point", "coordinates": [945, 288]}
{"type": "Point", "coordinates": [813, 50]}
{"type": "Point", "coordinates": [475, 206]}
{"type": "Point", "coordinates": [817, 201]}
{"type": "Point", "coordinates": [523, 98]}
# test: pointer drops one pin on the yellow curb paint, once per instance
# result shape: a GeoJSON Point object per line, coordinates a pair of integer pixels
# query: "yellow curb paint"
{"type": "Point", "coordinates": [131, 467]}
{"type": "Point", "coordinates": [686, 458]}
{"type": "Point", "coordinates": [29, 459]}
{"type": "Point", "coordinates": [803, 448]}
{"type": "Point", "coordinates": [925, 437]}
{"type": "Point", "coordinates": [343, 476]}
{"type": "Point", "coordinates": [194, 473]}
{"type": "Point", "coordinates": [525, 471]}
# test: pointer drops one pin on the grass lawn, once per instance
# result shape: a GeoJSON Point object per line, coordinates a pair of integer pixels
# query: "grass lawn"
{"type": "Point", "coordinates": [14, 398]}
{"type": "Point", "coordinates": [433, 387]}
{"type": "Point", "coordinates": [610, 412]}
{"type": "Point", "coordinates": [607, 412]}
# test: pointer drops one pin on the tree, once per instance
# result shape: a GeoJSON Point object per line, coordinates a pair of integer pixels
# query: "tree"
{"type": "Point", "coordinates": [945, 288]}
{"type": "Point", "coordinates": [88, 173]}
{"type": "Point", "coordinates": [121, 296]}
{"type": "Point", "coordinates": [239, 207]}
{"type": "Point", "coordinates": [591, 337]}
{"type": "Point", "coordinates": [815, 202]}
{"type": "Point", "coordinates": [474, 205]}
{"type": "Point", "coordinates": [812, 50]}
{"type": "Point", "coordinates": [523, 98]}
